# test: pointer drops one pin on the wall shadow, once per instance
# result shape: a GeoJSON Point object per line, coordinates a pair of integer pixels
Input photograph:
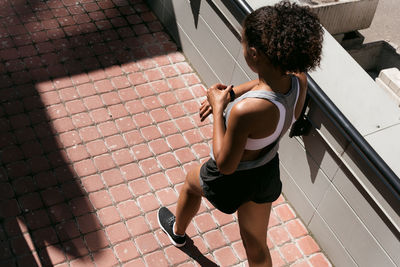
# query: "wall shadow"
{"type": "Point", "coordinates": [43, 44]}
{"type": "Point", "coordinates": [314, 143]}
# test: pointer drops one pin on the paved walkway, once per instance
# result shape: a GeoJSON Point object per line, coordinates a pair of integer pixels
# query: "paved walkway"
{"type": "Point", "coordinates": [98, 126]}
{"type": "Point", "coordinates": [385, 24]}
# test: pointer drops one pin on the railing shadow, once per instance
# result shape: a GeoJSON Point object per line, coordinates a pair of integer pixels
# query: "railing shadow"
{"type": "Point", "coordinates": [56, 43]}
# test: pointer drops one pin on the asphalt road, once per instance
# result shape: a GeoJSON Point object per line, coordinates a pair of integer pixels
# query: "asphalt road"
{"type": "Point", "coordinates": [386, 24]}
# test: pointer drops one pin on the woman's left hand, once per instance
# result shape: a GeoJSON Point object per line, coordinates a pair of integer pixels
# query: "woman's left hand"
{"type": "Point", "coordinates": [205, 110]}
{"type": "Point", "coordinates": [218, 96]}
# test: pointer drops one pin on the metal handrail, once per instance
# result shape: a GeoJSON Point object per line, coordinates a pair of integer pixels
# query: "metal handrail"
{"type": "Point", "coordinates": [389, 178]}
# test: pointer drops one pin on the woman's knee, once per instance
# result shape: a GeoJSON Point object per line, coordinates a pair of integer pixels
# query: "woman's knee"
{"type": "Point", "coordinates": [256, 253]}
{"type": "Point", "coordinates": [256, 250]}
{"type": "Point", "coordinates": [192, 182]}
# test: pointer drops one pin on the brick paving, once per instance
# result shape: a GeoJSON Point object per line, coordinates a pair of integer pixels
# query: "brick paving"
{"type": "Point", "coordinates": [98, 126]}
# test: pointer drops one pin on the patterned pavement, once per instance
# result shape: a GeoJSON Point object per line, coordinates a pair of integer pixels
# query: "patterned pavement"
{"type": "Point", "coordinates": [98, 126]}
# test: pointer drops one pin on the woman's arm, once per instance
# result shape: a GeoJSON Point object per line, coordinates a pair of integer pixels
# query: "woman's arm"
{"type": "Point", "coordinates": [302, 95]}
{"type": "Point", "coordinates": [228, 144]}
{"type": "Point", "coordinates": [217, 97]}
{"type": "Point", "coordinates": [244, 87]}
{"type": "Point", "coordinates": [205, 108]}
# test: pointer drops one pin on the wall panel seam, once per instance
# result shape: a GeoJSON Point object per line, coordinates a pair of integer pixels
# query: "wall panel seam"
{"type": "Point", "coordinates": [198, 51]}
{"type": "Point", "coordinates": [320, 216]}
{"type": "Point", "coordinates": [222, 44]}
{"type": "Point", "coordinates": [302, 192]}
{"type": "Point", "coordinates": [363, 224]}
{"type": "Point", "coordinates": [343, 163]}
{"type": "Point", "coordinates": [336, 237]}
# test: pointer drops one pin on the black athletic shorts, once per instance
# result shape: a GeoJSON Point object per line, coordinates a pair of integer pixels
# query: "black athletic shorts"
{"type": "Point", "coordinates": [228, 192]}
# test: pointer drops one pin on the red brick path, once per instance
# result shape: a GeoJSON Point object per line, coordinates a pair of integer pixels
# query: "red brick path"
{"type": "Point", "coordinates": [98, 126]}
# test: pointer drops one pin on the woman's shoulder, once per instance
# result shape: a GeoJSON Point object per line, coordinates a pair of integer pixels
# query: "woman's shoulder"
{"type": "Point", "coordinates": [249, 108]}
{"type": "Point", "coordinates": [258, 117]}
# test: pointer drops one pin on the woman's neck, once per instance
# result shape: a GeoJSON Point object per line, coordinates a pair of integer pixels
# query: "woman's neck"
{"type": "Point", "coordinates": [276, 82]}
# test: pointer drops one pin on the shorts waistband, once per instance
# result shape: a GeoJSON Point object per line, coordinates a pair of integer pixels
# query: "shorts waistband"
{"type": "Point", "coordinates": [252, 164]}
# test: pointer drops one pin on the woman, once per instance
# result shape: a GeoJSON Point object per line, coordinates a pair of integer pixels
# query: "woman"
{"type": "Point", "coordinates": [280, 43]}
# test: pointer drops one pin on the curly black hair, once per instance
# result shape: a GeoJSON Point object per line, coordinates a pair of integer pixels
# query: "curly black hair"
{"type": "Point", "coordinates": [288, 34]}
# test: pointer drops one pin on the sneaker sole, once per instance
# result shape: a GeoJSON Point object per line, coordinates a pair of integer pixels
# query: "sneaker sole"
{"type": "Point", "coordinates": [170, 238]}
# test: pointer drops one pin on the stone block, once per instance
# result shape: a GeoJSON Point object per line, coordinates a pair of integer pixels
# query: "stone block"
{"type": "Point", "coordinates": [387, 73]}
{"type": "Point", "coordinates": [388, 90]}
{"type": "Point", "coordinates": [391, 77]}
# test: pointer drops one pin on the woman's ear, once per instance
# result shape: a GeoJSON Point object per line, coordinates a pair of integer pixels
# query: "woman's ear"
{"type": "Point", "coordinates": [252, 53]}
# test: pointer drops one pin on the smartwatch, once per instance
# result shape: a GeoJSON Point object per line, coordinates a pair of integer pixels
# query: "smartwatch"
{"type": "Point", "coordinates": [232, 94]}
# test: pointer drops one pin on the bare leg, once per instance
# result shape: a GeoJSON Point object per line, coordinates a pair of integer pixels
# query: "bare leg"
{"type": "Point", "coordinates": [253, 223]}
{"type": "Point", "coordinates": [189, 201]}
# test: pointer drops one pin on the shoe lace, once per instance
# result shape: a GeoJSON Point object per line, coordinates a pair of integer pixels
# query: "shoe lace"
{"type": "Point", "coordinates": [171, 221]}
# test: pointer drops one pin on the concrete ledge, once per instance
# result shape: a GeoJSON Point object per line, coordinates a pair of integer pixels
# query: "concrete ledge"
{"type": "Point", "coordinates": [376, 56]}
{"type": "Point", "coordinates": [339, 16]}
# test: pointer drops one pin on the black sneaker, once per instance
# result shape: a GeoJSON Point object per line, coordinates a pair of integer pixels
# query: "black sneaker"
{"type": "Point", "coordinates": [166, 220]}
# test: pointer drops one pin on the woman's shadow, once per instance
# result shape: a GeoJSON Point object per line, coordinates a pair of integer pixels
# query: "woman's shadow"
{"type": "Point", "coordinates": [192, 251]}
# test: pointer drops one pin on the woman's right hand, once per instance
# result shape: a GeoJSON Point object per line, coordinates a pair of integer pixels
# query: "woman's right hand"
{"type": "Point", "coordinates": [218, 96]}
